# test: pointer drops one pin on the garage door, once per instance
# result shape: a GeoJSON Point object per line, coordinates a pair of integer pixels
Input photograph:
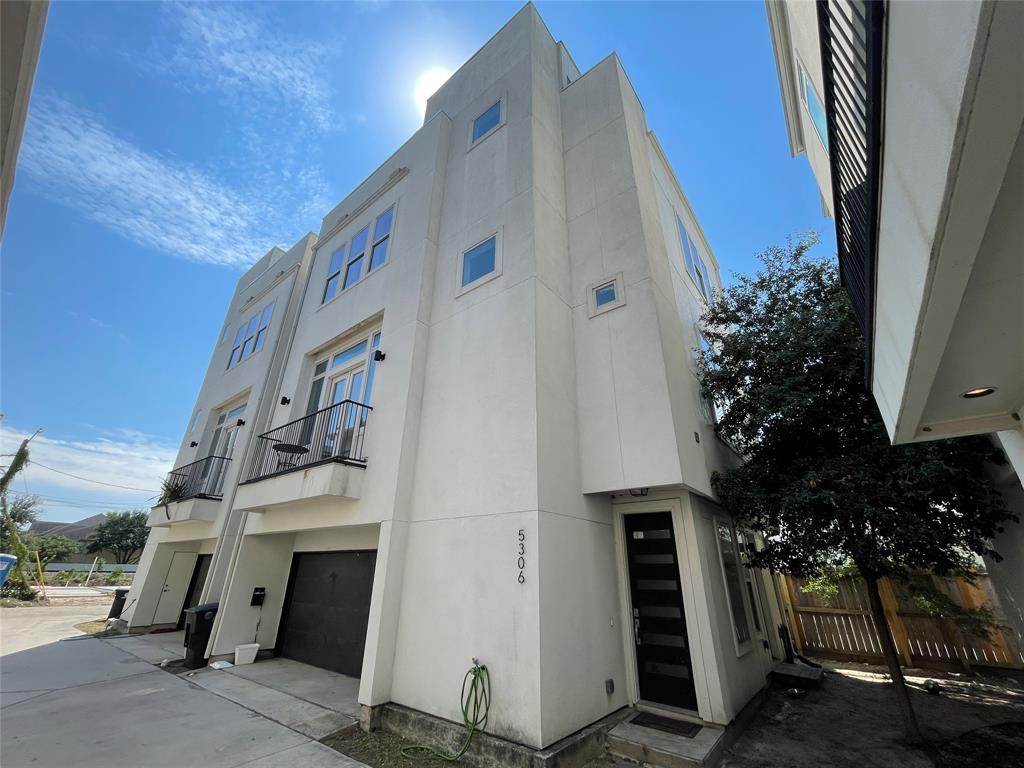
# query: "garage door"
{"type": "Point", "coordinates": [326, 610]}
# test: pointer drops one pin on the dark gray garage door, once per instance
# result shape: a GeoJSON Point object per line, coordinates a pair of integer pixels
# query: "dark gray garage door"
{"type": "Point", "coordinates": [326, 610]}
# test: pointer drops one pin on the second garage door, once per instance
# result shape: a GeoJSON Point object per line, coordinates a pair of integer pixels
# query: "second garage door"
{"type": "Point", "coordinates": [326, 610]}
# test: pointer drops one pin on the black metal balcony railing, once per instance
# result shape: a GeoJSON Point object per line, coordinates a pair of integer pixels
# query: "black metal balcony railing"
{"type": "Point", "coordinates": [334, 434]}
{"type": "Point", "coordinates": [852, 48]}
{"type": "Point", "coordinates": [203, 479]}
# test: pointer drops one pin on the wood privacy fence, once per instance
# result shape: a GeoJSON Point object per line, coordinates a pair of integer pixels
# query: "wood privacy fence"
{"type": "Point", "coordinates": [844, 629]}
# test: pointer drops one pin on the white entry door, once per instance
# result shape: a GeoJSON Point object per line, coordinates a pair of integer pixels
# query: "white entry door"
{"type": "Point", "coordinates": [179, 574]}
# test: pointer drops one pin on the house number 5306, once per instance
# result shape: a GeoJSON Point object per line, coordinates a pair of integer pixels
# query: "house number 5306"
{"type": "Point", "coordinates": [521, 561]}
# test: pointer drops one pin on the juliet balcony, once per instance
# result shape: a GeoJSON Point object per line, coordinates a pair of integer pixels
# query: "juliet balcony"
{"type": "Point", "coordinates": [192, 493]}
{"type": "Point", "coordinates": [319, 456]}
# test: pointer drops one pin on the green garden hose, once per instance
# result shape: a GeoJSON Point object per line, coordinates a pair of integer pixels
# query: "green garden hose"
{"type": "Point", "coordinates": [476, 702]}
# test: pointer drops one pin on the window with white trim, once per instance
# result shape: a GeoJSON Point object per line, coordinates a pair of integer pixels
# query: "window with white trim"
{"type": "Point", "coordinates": [251, 336]}
{"type": "Point", "coordinates": [606, 295]}
{"type": "Point", "coordinates": [731, 566]}
{"type": "Point", "coordinates": [343, 273]}
{"type": "Point", "coordinates": [479, 264]}
{"type": "Point", "coordinates": [812, 105]}
{"type": "Point", "coordinates": [487, 122]}
{"type": "Point", "coordinates": [694, 263]}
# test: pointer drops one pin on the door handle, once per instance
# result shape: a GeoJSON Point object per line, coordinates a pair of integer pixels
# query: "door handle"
{"type": "Point", "coordinates": [636, 630]}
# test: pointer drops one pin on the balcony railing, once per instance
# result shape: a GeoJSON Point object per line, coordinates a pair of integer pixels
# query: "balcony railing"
{"type": "Point", "coordinates": [203, 479]}
{"type": "Point", "coordinates": [333, 434]}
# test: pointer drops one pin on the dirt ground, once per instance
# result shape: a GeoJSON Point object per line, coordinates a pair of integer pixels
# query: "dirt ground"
{"type": "Point", "coordinates": [384, 750]}
{"type": "Point", "coordinates": [852, 722]}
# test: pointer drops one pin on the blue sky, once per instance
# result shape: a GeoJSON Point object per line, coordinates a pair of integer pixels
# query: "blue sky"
{"type": "Point", "coordinates": [170, 145]}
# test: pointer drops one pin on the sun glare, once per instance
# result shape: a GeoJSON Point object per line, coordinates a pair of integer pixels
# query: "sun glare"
{"type": "Point", "coordinates": [427, 83]}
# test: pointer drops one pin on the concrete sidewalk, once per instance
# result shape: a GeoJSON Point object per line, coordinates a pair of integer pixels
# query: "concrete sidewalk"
{"type": "Point", "coordinates": [24, 628]}
{"type": "Point", "coordinates": [87, 703]}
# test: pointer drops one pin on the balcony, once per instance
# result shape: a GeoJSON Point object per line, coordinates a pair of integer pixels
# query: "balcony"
{"type": "Point", "coordinates": [192, 493]}
{"type": "Point", "coordinates": [316, 457]}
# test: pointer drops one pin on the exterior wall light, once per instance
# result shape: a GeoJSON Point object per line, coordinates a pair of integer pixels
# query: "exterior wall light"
{"type": "Point", "coordinates": [285, 400]}
{"type": "Point", "coordinates": [971, 394]}
{"type": "Point", "coordinates": [637, 492]}
{"type": "Point", "coordinates": [193, 444]}
{"type": "Point", "coordinates": [240, 423]}
{"type": "Point", "coordinates": [378, 356]}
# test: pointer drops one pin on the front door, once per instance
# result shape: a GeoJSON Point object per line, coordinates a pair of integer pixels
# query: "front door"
{"type": "Point", "coordinates": [664, 667]}
{"type": "Point", "coordinates": [179, 573]}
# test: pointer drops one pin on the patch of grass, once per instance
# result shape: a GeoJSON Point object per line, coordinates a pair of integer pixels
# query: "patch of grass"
{"type": "Point", "coordinates": [384, 750]}
{"type": "Point", "coordinates": [94, 627]}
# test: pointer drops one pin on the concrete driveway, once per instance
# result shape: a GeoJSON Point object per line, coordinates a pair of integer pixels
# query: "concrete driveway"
{"type": "Point", "coordinates": [24, 628]}
{"type": "Point", "coordinates": [87, 703]}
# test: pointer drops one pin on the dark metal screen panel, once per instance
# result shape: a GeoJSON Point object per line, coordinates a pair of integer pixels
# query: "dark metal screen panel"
{"type": "Point", "coordinates": [852, 56]}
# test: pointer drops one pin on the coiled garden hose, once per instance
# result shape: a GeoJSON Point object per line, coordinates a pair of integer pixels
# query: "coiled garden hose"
{"type": "Point", "coordinates": [476, 702]}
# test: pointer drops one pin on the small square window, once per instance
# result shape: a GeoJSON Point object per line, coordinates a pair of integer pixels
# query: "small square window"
{"type": "Point", "coordinates": [479, 261]}
{"type": "Point", "coordinates": [605, 295]}
{"type": "Point", "coordinates": [487, 122]}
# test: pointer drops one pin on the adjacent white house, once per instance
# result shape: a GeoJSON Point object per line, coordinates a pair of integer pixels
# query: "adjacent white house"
{"type": "Point", "coordinates": [462, 422]}
{"type": "Point", "coordinates": [911, 116]}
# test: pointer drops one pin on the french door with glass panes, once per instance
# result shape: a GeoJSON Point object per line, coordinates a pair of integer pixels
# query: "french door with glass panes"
{"type": "Point", "coordinates": [342, 385]}
{"type": "Point", "coordinates": [222, 446]}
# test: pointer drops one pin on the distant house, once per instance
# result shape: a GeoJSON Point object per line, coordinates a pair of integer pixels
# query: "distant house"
{"type": "Point", "coordinates": [79, 531]}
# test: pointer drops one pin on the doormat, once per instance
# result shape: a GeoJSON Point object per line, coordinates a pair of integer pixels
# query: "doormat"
{"type": "Point", "coordinates": [666, 724]}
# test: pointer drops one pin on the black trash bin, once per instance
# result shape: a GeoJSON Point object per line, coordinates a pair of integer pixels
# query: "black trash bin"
{"type": "Point", "coordinates": [198, 626]}
{"type": "Point", "coordinates": [120, 595]}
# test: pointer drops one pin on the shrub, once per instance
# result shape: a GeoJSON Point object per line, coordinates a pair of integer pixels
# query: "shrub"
{"type": "Point", "coordinates": [17, 591]}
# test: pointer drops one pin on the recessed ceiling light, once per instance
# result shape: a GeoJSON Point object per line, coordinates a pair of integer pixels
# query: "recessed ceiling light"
{"type": "Point", "coordinates": [970, 394]}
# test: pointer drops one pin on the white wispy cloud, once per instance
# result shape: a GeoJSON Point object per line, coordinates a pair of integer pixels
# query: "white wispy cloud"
{"type": "Point", "coordinates": [159, 202]}
{"type": "Point", "coordinates": [236, 51]}
{"type": "Point", "coordinates": [119, 457]}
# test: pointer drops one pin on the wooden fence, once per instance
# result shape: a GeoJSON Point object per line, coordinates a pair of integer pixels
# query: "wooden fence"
{"type": "Point", "coordinates": [844, 629]}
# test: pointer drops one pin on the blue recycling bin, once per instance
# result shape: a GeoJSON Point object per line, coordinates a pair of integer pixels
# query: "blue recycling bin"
{"type": "Point", "coordinates": [6, 563]}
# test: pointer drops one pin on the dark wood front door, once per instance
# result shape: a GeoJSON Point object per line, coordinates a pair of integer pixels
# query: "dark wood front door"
{"type": "Point", "coordinates": [664, 667]}
{"type": "Point", "coordinates": [327, 607]}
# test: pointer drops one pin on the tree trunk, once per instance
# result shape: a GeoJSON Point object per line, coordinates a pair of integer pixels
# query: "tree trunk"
{"type": "Point", "coordinates": [899, 686]}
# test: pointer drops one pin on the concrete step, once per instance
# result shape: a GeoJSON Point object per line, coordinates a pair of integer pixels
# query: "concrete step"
{"type": "Point", "coordinates": [659, 748]}
{"type": "Point", "coordinates": [798, 675]}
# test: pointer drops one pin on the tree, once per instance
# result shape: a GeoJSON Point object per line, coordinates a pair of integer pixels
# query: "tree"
{"type": "Point", "coordinates": [52, 549]}
{"type": "Point", "coordinates": [123, 533]}
{"type": "Point", "coordinates": [785, 365]}
{"type": "Point", "coordinates": [10, 537]}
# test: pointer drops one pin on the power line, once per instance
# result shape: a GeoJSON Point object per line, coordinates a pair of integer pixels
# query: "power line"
{"type": "Point", "coordinates": [90, 480]}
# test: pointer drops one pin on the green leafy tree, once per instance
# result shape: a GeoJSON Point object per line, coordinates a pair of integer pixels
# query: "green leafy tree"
{"type": "Point", "coordinates": [123, 533]}
{"type": "Point", "coordinates": [10, 537]}
{"type": "Point", "coordinates": [821, 479]}
{"type": "Point", "coordinates": [52, 549]}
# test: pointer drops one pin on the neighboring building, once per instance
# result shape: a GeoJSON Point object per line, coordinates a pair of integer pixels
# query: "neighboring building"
{"type": "Point", "coordinates": [474, 428]}
{"type": "Point", "coordinates": [80, 531]}
{"type": "Point", "coordinates": [912, 118]}
{"type": "Point", "coordinates": [21, 34]}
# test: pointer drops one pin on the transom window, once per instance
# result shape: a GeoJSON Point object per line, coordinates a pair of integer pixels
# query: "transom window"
{"type": "Point", "coordinates": [479, 261]}
{"type": "Point", "coordinates": [694, 263]}
{"type": "Point", "coordinates": [251, 336]}
{"type": "Point", "coordinates": [344, 375]}
{"type": "Point", "coordinates": [345, 272]}
{"type": "Point", "coordinates": [486, 122]}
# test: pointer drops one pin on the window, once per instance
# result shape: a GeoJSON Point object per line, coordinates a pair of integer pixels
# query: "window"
{"type": "Point", "coordinates": [694, 263]}
{"type": "Point", "coordinates": [487, 122]}
{"type": "Point", "coordinates": [224, 333]}
{"type": "Point", "coordinates": [605, 295]}
{"type": "Point", "coordinates": [195, 422]}
{"type": "Point", "coordinates": [747, 542]}
{"type": "Point", "coordinates": [251, 336]}
{"type": "Point", "coordinates": [733, 582]}
{"type": "Point", "coordinates": [343, 273]}
{"type": "Point", "coordinates": [353, 357]}
{"type": "Point", "coordinates": [479, 262]}
{"type": "Point", "coordinates": [813, 106]}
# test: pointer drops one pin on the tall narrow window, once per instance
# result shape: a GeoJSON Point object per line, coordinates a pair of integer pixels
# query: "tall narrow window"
{"type": "Point", "coordinates": [486, 122]}
{"type": "Point", "coordinates": [334, 274]}
{"type": "Point", "coordinates": [733, 581]}
{"type": "Point", "coordinates": [251, 336]}
{"type": "Point", "coordinates": [694, 262]}
{"type": "Point", "coordinates": [812, 104]}
{"type": "Point", "coordinates": [381, 238]}
{"type": "Point", "coordinates": [357, 255]}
